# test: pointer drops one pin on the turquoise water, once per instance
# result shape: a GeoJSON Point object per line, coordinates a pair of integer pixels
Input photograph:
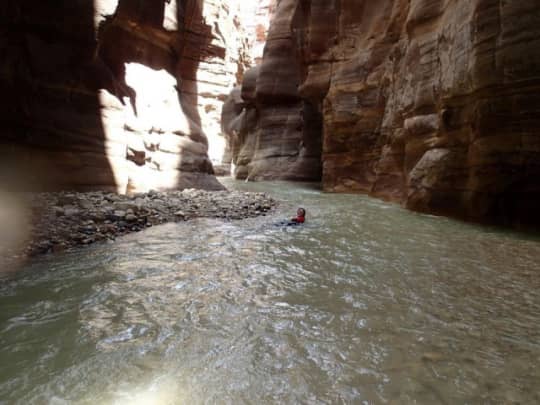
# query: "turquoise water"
{"type": "Point", "coordinates": [365, 303]}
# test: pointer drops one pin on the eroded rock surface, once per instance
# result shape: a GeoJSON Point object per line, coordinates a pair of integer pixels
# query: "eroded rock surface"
{"type": "Point", "coordinates": [115, 94]}
{"type": "Point", "coordinates": [431, 103]}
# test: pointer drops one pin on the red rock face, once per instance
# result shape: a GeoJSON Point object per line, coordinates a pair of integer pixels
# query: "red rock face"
{"type": "Point", "coordinates": [431, 103]}
{"type": "Point", "coordinates": [115, 94]}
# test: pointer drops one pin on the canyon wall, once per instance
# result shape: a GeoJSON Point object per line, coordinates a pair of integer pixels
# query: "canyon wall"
{"type": "Point", "coordinates": [288, 130]}
{"type": "Point", "coordinates": [275, 133]}
{"type": "Point", "coordinates": [431, 103]}
{"type": "Point", "coordinates": [116, 94]}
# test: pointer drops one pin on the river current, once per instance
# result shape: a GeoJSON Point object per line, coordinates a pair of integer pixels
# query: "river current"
{"type": "Point", "coordinates": [365, 303]}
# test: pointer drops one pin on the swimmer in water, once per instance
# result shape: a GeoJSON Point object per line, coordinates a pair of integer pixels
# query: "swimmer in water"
{"type": "Point", "coordinates": [300, 217]}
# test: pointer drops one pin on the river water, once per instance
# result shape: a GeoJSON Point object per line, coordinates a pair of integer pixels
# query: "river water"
{"type": "Point", "coordinates": [365, 303]}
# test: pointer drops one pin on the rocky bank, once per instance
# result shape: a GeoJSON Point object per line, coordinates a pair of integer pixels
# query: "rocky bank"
{"type": "Point", "coordinates": [55, 222]}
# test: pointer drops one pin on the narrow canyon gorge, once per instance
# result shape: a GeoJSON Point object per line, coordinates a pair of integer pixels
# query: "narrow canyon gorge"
{"type": "Point", "coordinates": [433, 104]}
{"type": "Point", "coordinates": [269, 201]}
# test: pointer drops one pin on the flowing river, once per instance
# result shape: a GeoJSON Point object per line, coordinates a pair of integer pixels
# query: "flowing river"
{"type": "Point", "coordinates": [365, 303]}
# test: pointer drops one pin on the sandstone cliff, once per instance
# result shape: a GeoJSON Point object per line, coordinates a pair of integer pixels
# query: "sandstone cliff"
{"type": "Point", "coordinates": [432, 103]}
{"type": "Point", "coordinates": [276, 133]}
{"type": "Point", "coordinates": [115, 94]}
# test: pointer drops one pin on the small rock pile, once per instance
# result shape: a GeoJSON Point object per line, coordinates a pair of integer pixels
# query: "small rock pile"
{"type": "Point", "coordinates": [66, 219]}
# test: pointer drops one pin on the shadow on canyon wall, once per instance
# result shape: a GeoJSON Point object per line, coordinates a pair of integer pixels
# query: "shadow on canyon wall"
{"type": "Point", "coordinates": [51, 130]}
{"type": "Point", "coordinates": [197, 36]}
{"type": "Point", "coordinates": [54, 67]}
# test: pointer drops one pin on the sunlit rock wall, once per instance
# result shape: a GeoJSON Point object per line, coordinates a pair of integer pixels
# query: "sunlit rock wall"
{"type": "Point", "coordinates": [256, 17]}
{"type": "Point", "coordinates": [432, 103]}
{"type": "Point", "coordinates": [116, 94]}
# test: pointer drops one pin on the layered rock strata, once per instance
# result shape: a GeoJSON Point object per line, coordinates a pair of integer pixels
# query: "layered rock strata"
{"type": "Point", "coordinates": [115, 94]}
{"type": "Point", "coordinates": [431, 103]}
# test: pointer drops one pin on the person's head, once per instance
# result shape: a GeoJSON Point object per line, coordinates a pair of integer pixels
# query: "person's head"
{"type": "Point", "coordinates": [301, 212]}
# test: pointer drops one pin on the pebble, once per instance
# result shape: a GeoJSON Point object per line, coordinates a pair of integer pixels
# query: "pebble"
{"type": "Point", "coordinates": [70, 211]}
{"type": "Point", "coordinates": [131, 217]}
{"type": "Point", "coordinates": [119, 214]}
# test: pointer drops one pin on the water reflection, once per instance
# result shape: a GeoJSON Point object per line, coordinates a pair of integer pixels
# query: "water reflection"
{"type": "Point", "coordinates": [366, 302]}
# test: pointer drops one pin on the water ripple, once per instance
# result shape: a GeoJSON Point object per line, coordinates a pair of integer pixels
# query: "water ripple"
{"type": "Point", "coordinates": [365, 303]}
